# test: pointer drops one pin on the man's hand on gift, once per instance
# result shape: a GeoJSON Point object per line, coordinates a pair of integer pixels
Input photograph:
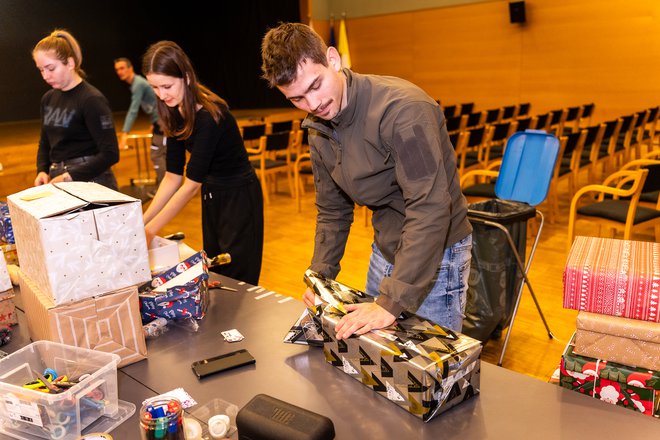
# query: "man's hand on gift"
{"type": "Point", "coordinates": [363, 318]}
{"type": "Point", "coordinates": [308, 298]}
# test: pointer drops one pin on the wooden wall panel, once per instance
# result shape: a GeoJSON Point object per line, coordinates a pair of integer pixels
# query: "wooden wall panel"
{"type": "Point", "coordinates": [383, 44]}
{"type": "Point", "coordinates": [451, 60]}
{"type": "Point", "coordinates": [569, 52]}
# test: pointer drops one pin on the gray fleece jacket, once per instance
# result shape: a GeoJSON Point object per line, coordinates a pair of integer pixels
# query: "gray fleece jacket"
{"type": "Point", "coordinates": [389, 150]}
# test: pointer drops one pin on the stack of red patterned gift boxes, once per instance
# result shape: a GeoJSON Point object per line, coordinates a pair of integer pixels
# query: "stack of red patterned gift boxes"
{"type": "Point", "coordinates": [615, 353]}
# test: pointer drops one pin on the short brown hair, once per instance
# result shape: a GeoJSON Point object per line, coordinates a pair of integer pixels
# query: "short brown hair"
{"type": "Point", "coordinates": [285, 47]}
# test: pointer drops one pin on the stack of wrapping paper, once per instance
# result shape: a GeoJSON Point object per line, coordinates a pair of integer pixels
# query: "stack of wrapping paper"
{"type": "Point", "coordinates": [637, 389]}
{"type": "Point", "coordinates": [416, 364]}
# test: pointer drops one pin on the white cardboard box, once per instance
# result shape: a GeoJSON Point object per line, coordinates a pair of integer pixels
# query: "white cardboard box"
{"type": "Point", "coordinates": [79, 239]}
{"type": "Point", "coordinates": [163, 254]}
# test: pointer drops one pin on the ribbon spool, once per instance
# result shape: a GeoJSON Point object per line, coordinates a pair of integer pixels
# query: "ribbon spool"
{"type": "Point", "coordinates": [218, 426]}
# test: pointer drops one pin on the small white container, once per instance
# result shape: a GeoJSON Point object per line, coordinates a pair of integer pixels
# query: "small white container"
{"type": "Point", "coordinates": [163, 254]}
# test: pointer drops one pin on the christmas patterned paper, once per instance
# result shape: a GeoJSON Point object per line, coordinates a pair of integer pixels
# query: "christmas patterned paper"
{"type": "Point", "coordinates": [637, 389]}
{"type": "Point", "coordinates": [180, 292]}
{"type": "Point", "coordinates": [7, 309]}
{"type": "Point", "coordinates": [418, 365]}
{"type": "Point", "coordinates": [624, 340]}
{"type": "Point", "coordinates": [6, 231]}
{"type": "Point", "coordinates": [613, 277]}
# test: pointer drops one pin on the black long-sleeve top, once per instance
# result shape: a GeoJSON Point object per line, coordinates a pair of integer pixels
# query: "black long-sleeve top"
{"type": "Point", "coordinates": [76, 123]}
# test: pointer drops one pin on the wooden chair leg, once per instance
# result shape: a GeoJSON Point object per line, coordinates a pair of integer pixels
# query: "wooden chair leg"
{"type": "Point", "coordinates": [264, 188]}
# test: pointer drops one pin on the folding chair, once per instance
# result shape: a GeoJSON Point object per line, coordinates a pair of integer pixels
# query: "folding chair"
{"type": "Point", "coordinates": [523, 183]}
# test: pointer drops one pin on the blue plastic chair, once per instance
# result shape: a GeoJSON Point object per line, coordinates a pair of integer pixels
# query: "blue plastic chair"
{"type": "Point", "coordinates": [523, 183]}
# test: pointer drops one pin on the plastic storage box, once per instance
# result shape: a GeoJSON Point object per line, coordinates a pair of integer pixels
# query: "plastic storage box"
{"type": "Point", "coordinates": [92, 403]}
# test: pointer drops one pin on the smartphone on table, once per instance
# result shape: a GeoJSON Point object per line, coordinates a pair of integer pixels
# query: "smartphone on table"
{"type": "Point", "coordinates": [223, 362]}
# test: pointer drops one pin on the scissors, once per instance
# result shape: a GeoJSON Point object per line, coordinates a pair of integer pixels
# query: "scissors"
{"type": "Point", "coordinates": [43, 383]}
{"type": "Point", "coordinates": [218, 285]}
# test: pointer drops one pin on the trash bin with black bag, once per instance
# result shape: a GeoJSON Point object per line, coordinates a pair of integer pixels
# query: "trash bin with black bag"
{"type": "Point", "coordinates": [494, 274]}
{"type": "Point", "coordinates": [499, 268]}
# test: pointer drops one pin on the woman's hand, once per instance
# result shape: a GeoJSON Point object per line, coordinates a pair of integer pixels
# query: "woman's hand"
{"type": "Point", "coordinates": [65, 177]}
{"type": "Point", "coordinates": [41, 179]}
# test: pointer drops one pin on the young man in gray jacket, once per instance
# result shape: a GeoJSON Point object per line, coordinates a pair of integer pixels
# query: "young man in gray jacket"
{"type": "Point", "coordinates": [381, 142]}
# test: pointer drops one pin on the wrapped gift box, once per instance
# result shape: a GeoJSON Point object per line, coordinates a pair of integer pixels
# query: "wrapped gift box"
{"type": "Point", "coordinates": [7, 308]}
{"type": "Point", "coordinates": [637, 389]}
{"type": "Point", "coordinates": [623, 340]}
{"type": "Point", "coordinates": [418, 365]}
{"type": "Point", "coordinates": [109, 323]}
{"type": "Point", "coordinates": [613, 277]}
{"type": "Point", "coordinates": [6, 231]}
{"type": "Point", "coordinates": [180, 292]}
{"type": "Point", "coordinates": [79, 239]}
{"type": "Point", "coordinates": [307, 330]}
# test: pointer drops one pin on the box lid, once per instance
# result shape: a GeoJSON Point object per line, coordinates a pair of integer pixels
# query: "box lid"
{"type": "Point", "coordinates": [54, 199]}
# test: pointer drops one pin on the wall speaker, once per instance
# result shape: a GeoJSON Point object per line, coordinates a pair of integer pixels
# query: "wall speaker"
{"type": "Point", "coordinates": [267, 418]}
{"type": "Point", "coordinates": [517, 12]}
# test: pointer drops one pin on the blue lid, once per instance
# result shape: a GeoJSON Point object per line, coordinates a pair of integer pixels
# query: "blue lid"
{"type": "Point", "coordinates": [527, 167]}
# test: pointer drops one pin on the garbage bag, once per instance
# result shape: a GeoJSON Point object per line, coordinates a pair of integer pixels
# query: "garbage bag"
{"type": "Point", "coordinates": [495, 278]}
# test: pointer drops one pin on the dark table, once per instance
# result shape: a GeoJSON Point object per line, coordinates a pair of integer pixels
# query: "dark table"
{"type": "Point", "coordinates": [510, 406]}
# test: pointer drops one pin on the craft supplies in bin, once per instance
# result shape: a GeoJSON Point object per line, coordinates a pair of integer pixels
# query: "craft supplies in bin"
{"type": "Point", "coordinates": [56, 391]}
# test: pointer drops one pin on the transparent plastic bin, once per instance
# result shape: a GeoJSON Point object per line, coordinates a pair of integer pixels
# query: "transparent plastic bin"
{"type": "Point", "coordinates": [26, 413]}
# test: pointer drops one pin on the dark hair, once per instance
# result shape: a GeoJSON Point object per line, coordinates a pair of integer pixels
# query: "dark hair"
{"type": "Point", "coordinates": [125, 60]}
{"type": "Point", "coordinates": [167, 58]}
{"type": "Point", "coordinates": [64, 46]}
{"type": "Point", "coordinates": [285, 47]}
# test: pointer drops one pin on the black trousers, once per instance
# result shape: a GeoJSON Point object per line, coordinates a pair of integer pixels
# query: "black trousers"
{"type": "Point", "coordinates": [233, 222]}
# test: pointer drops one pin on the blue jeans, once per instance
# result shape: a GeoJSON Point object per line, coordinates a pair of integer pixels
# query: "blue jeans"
{"type": "Point", "coordinates": [445, 302]}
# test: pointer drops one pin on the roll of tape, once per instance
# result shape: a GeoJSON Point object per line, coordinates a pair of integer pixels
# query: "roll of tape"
{"type": "Point", "coordinates": [218, 426]}
{"type": "Point", "coordinates": [96, 436]}
{"type": "Point", "coordinates": [192, 429]}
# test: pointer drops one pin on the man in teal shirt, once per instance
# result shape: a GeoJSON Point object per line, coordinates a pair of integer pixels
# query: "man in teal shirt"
{"type": "Point", "coordinates": [142, 96]}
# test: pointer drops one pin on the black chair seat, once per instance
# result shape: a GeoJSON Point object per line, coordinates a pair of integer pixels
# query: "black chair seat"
{"type": "Point", "coordinates": [305, 169]}
{"type": "Point", "coordinates": [469, 161]}
{"type": "Point", "coordinates": [480, 190]}
{"type": "Point", "coordinates": [651, 196]}
{"type": "Point", "coordinates": [563, 170]}
{"type": "Point", "coordinates": [269, 163]}
{"type": "Point", "coordinates": [617, 210]}
{"type": "Point", "coordinates": [293, 157]}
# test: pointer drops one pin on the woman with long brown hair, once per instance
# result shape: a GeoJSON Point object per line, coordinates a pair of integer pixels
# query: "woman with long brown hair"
{"type": "Point", "coordinates": [198, 121]}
